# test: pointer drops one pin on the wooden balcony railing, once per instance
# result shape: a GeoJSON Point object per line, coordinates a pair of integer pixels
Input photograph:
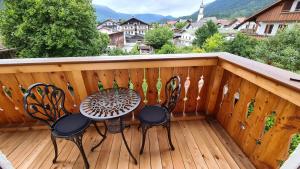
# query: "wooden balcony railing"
{"type": "Point", "coordinates": [241, 94]}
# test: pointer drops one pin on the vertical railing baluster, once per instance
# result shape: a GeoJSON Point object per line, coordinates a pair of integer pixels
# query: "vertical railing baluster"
{"type": "Point", "coordinates": [187, 84]}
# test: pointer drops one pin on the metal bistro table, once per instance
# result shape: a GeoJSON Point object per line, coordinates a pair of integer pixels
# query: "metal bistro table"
{"type": "Point", "coordinates": [110, 106]}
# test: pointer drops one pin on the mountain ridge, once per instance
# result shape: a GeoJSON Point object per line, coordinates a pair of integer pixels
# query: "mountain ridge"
{"type": "Point", "coordinates": [231, 8]}
{"type": "Point", "coordinates": [104, 12]}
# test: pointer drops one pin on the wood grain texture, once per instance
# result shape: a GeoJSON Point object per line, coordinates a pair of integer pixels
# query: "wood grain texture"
{"type": "Point", "coordinates": [192, 150]}
{"type": "Point", "coordinates": [265, 149]}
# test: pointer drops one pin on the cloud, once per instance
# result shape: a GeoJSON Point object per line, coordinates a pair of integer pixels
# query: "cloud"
{"type": "Point", "coordinates": [163, 7]}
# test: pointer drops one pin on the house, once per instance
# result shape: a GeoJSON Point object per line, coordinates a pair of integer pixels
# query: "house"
{"type": "Point", "coordinates": [6, 53]}
{"type": "Point", "coordinates": [113, 25]}
{"type": "Point", "coordinates": [117, 40]}
{"type": "Point", "coordinates": [145, 49]}
{"type": "Point", "coordinates": [267, 22]}
{"type": "Point", "coordinates": [135, 26]}
{"type": "Point", "coordinates": [106, 30]}
{"type": "Point", "coordinates": [185, 38]}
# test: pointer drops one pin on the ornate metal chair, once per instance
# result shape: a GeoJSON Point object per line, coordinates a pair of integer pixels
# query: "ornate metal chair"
{"type": "Point", "coordinates": [46, 103]}
{"type": "Point", "coordinates": [160, 115]}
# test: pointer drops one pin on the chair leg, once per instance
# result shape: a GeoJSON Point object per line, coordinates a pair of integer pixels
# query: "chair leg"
{"type": "Point", "coordinates": [169, 135]}
{"type": "Point", "coordinates": [144, 132]}
{"type": "Point", "coordinates": [55, 147]}
{"type": "Point", "coordinates": [99, 132]}
{"type": "Point", "coordinates": [78, 141]}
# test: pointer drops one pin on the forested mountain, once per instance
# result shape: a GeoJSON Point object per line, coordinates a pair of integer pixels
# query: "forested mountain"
{"type": "Point", "coordinates": [232, 8]}
{"type": "Point", "coordinates": [104, 13]}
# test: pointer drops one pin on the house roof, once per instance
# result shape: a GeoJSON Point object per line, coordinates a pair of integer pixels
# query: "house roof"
{"type": "Point", "coordinates": [253, 17]}
{"type": "Point", "coordinates": [134, 19]}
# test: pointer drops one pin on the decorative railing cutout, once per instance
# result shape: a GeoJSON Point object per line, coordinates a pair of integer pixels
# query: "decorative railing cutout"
{"type": "Point", "coordinates": [72, 93]}
{"type": "Point", "coordinates": [39, 91]}
{"type": "Point", "coordinates": [115, 84]}
{"type": "Point", "coordinates": [8, 93]}
{"type": "Point", "coordinates": [100, 86]}
{"type": "Point", "coordinates": [224, 93]}
{"type": "Point", "coordinates": [295, 141]}
{"type": "Point", "coordinates": [130, 83]}
{"type": "Point", "coordinates": [187, 85]}
{"type": "Point", "coordinates": [131, 87]}
{"type": "Point", "coordinates": [145, 87]}
{"type": "Point", "coordinates": [158, 86]}
{"type": "Point", "coordinates": [236, 98]}
{"type": "Point", "coordinates": [250, 108]}
{"type": "Point", "coordinates": [270, 122]}
{"type": "Point", "coordinates": [23, 90]}
{"type": "Point", "coordinates": [200, 86]}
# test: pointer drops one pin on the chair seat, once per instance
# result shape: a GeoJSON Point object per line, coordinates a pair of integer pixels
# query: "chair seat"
{"type": "Point", "coordinates": [153, 115]}
{"type": "Point", "coordinates": [71, 124]}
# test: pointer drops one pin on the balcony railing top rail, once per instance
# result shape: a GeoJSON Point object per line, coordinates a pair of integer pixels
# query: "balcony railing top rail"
{"type": "Point", "coordinates": [213, 59]}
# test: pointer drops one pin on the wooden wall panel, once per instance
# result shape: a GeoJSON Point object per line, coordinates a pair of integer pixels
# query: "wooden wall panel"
{"type": "Point", "coordinates": [265, 149]}
{"type": "Point", "coordinates": [91, 79]}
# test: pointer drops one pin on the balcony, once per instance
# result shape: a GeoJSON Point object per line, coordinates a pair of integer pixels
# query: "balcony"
{"type": "Point", "coordinates": [223, 125]}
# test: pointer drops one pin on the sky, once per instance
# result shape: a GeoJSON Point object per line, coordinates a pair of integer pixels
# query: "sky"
{"type": "Point", "coordinates": [164, 7]}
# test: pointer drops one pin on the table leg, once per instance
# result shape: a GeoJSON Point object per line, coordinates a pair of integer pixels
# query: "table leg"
{"type": "Point", "coordinates": [103, 135]}
{"type": "Point", "coordinates": [123, 136]}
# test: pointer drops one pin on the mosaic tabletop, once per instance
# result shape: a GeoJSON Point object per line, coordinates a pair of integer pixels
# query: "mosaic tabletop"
{"type": "Point", "coordinates": [110, 103]}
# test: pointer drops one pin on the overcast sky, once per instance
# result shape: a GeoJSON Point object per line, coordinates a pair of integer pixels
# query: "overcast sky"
{"type": "Point", "coordinates": [163, 7]}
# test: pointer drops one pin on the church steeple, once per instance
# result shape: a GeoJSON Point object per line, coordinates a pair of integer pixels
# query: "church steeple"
{"type": "Point", "coordinates": [201, 11]}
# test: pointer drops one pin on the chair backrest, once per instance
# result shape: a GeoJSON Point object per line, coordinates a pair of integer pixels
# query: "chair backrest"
{"type": "Point", "coordinates": [172, 92]}
{"type": "Point", "coordinates": [45, 102]}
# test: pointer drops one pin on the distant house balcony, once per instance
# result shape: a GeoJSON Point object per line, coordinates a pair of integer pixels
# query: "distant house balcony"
{"type": "Point", "coordinates": [222, 124]}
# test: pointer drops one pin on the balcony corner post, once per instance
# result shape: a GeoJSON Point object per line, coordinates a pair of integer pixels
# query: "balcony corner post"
{"type": "Point", "coordinates": [213, 91]}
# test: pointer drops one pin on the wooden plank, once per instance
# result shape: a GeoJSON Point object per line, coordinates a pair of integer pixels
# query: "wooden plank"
{"type": "Point", "coordinates": [145, 161]}
{"type": "Point", "coordinates": [221, 147]}
{"type": "Point", "coordinates": [213, 91]}
{"type": "Point", "coordinates": [154, 149]}
{"type": "Point", "coordinates": [192, 146]}
{"type": "Point", "coordinates": [79, 84]}
{"type": "Point", "coordinates": [124, 155]}
{"type": "Point", "coordinates": [234, 150]}
{"type": "Point", "coordinates": [103, 158]}
{"type": "Point", "coordinates": [135, 147]}
{"type": "Point", "coordinates": [106, 66]}
{"type": "Point", "coordinates": [93, 156]}
{"type": "Point", "coordinates": [36, 151]}
{"type": "Point", "coordinates": [185, 153]}
{"type": "Point", "coordinates": [115, 152]}
{"type": "Point", "coordinates": [79, 163]}
{"type": "Point", "coordinates": [212, 147]}
{"type": "Point", "coordinates": [14, 142]}
{"type": "Point", "coordinates": [24, 147]}
{"type": "Point", "coordinates": [206, 154]}
{"type": "Point", "coordinates": [164, 148]}
{"type": "Point", "coordinates": [178, 160]}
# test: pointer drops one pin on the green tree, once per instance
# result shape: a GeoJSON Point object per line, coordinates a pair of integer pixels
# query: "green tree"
{"type": "Point", "coordinates": [180, 25]}
{"type": "Point", "coordinates": [104, 39]}
{"type": "Point", "coordinates": [206, 31]}
{"type": "Point", "coordinates": [116, 52]}
{"type": "Point", "coordinates": [241, 45]}
{"type": "Point", "coordinates": [158, 37]}
{"type": "Point", "coordinates": [214, 43]}
{"type": "Point", "coordinates": [56, 28]}
{"type": "Point", "coordinates": [282, 50]}
{"type": "Point", "coordinates": [167, 49]}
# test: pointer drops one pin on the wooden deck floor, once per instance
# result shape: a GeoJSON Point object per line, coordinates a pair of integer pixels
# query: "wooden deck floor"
{"type": "Point", "coordinates": [198, 144]}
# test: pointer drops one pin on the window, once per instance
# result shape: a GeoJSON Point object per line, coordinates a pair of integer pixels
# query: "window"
{"type": "Point", "coordinates": [269, 28]}
{"type": "Point", "coordinates": [287, 6]}
{"type": "Point", "coordinates": [298, 6]}
{"type": "Point", "coordinates": [282, 26]}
